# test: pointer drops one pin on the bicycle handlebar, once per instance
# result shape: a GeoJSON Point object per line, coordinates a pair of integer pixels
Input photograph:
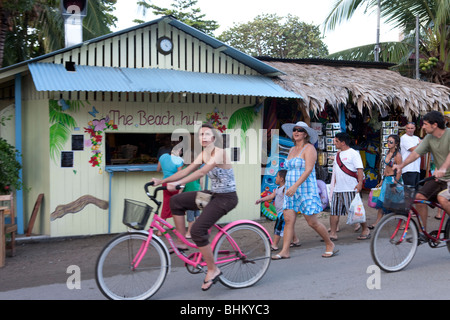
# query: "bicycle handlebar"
{"type": "Point", "coordinates": [418, 183]}
{"type": "Point", "coordinates": [151, 183]}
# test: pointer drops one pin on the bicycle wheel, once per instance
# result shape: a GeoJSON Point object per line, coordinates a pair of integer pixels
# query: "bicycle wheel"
{"type": "Point", "coordinates": [392, 246]}
{"type": "Point", "coordinates": [118, 279]}
{"type": "Point", "coordinates": [447, 232]}
{"type": "Point", "coordinates": [243, 255]}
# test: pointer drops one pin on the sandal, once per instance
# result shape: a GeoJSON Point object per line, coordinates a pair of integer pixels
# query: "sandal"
{"type": "Point", "coordinates": [295, 244]}
{"type": "Point", "coordinates": [211, 281]}
{"type": "Point", "coordinates": [329, 254]}
{"type": "Point", "coordinates": [364, 237]}
{"type": "Point", "coordinates": [278, 257]}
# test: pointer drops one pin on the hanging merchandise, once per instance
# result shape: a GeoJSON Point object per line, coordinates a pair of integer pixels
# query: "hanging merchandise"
{"type": "Point", "coordinates": [331, 130]}
{"type": "Point", "coordinates": [387, 128]}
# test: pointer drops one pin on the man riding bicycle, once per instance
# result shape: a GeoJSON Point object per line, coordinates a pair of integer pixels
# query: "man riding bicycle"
{"type": "Point", "coordinates": [437, 141]}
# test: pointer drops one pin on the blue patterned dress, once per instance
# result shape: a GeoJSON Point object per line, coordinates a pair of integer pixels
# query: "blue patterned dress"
{"type": "Point", "coordinates": [306, 199]}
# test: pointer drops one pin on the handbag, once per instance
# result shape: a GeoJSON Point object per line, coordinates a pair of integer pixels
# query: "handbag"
{"type": "Point", "coordinates": [202, 199]}
{"type": "Point", "coordinates": [356, 212]}
{"type": "Point", "coordinates": [373, 197]}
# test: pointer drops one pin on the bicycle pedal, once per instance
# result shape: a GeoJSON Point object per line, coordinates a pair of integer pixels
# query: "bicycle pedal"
{"type": "Point", "coordinates": [422, 239]}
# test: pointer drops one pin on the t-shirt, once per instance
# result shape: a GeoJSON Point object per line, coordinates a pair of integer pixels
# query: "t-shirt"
{"type": "Point", "coordinates": [279, 199]}
{"type": "Point", "coordinates": [170, 164]}
{"type": "Point", "coordinates": [192, 186]}
{"type": "Point", "coordinates": [406, 143]}
{"type": "Point", "coordinates": [352, 160]}
{"type": "Point", "coordinates": [439, 148]}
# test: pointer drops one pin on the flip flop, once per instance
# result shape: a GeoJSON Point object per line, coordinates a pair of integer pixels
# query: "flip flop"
{"type": "Point", "coordinates": [278, 257]}
{"type": "Point", "coordinates": [364, 237]}
{"type": "Point", "coordinates": [329, 254]}
{"type": "Point", "coordinates": [179, 249]}
{"type": "Point", "coordinates": [295, 244]}
{"type": "Point", "coordinates": [212, 281]}
{"type": "Point", "coordinates": [274, 249]}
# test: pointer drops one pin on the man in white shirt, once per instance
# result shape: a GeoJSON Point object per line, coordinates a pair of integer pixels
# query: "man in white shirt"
{"type": "Point", "coordinates": [408, 143]}
{"type": "Point", "coordinates": [347, 180]}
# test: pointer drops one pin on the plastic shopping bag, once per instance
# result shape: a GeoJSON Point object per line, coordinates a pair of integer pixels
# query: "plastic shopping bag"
{"type": "Point", "coordinates": [356, 213]}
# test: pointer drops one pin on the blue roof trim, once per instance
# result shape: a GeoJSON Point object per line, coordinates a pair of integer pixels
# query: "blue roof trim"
{"type": "Point", "coordinates": [247, 60]}
{"type": "Point", "coordinates": [55, 77]}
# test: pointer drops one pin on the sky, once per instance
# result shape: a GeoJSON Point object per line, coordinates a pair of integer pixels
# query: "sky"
{"type": "Point", "coordinates": [360, 30]}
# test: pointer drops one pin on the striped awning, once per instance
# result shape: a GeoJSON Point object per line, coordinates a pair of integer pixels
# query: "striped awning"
{"type": "Point", "coordinates": [55, 77]}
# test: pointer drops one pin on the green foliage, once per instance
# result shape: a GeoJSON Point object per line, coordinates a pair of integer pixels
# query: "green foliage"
{"type": "Point", "coordinates": [9, 168]}
{"type": "Point", "coordinates": [184, 11]}
{"type": "Point", "coordinates": [62, 125]}
{"type": "Point", "coordinates": [434, 30]}
{"type": "Point", "coordinates": [278, 37]}
{"type": "Point", "coordinates": [31, 28]}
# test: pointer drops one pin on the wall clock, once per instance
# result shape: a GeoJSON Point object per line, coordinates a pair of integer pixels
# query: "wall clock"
{"type": "Point", "coordinates": [165, 45]}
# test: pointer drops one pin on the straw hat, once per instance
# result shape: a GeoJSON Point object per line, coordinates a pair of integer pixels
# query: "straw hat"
{"type": "Point", "coordinates": [288, 127]}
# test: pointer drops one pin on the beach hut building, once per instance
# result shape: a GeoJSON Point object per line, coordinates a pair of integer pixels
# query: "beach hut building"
{"type": "Point", "coordinates": [89, 120]}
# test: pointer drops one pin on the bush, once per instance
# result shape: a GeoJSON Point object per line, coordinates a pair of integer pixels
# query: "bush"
{"type": "Point", "coordinates": [9, 168]}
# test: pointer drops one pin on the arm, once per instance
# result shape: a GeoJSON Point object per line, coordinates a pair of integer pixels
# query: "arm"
{"type": "Point", "coordinates": [398, 159]}
{"type": "Point", "coordinates": [411, 158]}
{"type": "Point", "coordinates": [198, 174]}
{"type": "Point", "coordinates": [270, 197]}
{"type": "Point", "coordinates": [359, 186]}
{"type": "Point", "coordinates": [179, 174]}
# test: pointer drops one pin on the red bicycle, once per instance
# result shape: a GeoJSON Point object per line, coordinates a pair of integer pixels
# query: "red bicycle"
{"type": "Point", "coordinates": [396, 236]}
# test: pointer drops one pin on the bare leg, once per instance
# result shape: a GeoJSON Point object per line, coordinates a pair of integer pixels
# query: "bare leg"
{"type": "Point", "coordinates": [213, 271]}
{"type": "Point", "coordinates": [444, 203]}
{"type": "Point", "coordinates": [422, 209]}
{"type": "Point", "coordinates": [321, 230]}
{"type": "Point", "coordinates": [289, 231]}
{"type": "Point", "coordinates": [181, 228]}
{"type": "Point", "coordinates": [334, 221]}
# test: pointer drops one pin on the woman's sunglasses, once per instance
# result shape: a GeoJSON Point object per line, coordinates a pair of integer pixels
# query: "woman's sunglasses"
{"type": "Point", "coordinates": [391, 142]}
{"type": "Point", "coordinates": [298, 130]}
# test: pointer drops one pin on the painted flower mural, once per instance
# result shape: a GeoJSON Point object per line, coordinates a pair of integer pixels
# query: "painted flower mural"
{"type": "Point", "coordinates": [95, 130]}
{"type": "Point", "coordinates": [214, 118]}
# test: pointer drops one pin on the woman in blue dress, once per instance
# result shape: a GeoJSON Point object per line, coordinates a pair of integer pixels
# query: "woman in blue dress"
{"type": "Point", "coordinates": [302, 193]}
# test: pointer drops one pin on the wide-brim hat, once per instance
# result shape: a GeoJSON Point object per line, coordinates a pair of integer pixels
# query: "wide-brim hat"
{"type": "Point", "coordinates": [288, 127]}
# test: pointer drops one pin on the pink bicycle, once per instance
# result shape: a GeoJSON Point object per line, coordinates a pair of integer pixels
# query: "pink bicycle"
{"type": "Point", "coordinates": [135, 264]}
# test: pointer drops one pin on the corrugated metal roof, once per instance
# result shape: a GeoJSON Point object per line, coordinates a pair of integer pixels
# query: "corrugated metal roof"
{"type": "Point", "coordinates": [249, 61]}
{"type": "Point", "coordinates": [55, 77]}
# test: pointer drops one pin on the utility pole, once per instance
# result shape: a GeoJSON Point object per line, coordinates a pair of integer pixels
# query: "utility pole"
{"type": "Point", "coordinates": [417, 48]}
{"type": "Point", "coordinates": [377, 45]}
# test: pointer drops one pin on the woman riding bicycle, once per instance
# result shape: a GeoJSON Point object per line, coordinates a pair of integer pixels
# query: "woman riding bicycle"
{"type": "Point", "coordinates": [217, 166]}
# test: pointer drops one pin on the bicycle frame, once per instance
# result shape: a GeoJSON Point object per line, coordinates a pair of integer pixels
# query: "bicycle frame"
{"type": "Point", "coordinates": [413, 211]}
{"type": "Point", "coordinates": [196, 260]}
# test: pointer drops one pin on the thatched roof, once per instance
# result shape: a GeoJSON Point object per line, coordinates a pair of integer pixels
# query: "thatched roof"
{"type": "Point", "coordinates": [366, 86]}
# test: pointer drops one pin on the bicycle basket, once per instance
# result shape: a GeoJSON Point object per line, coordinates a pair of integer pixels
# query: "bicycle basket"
{"type": "Point", "coordinates": [398, 198]}
{"type": "Point", "coordinates": [136, 214]}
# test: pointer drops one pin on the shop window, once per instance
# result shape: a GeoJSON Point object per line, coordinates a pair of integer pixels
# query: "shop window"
{"type": "Point", "coordinates": [136, 148]}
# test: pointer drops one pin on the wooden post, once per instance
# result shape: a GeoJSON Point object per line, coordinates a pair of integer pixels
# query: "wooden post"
{"type": "Point", "coordinates": [2, 237]}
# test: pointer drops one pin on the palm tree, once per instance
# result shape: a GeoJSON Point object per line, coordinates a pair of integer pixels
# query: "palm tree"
{"type": "Point", "coordinates": [29, 28]}
{"type": "Point", "coordinates": [434, 17]}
